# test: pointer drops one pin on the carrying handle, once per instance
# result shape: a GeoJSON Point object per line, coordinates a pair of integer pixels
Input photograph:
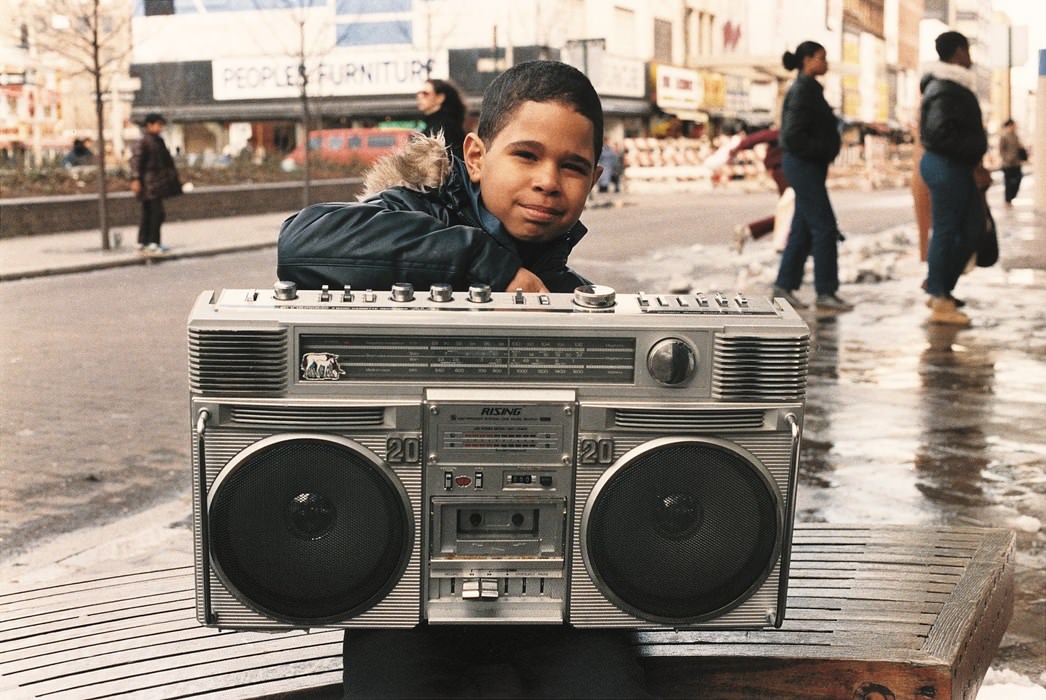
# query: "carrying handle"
{"type": "Point", "coordinates": [205, 555]}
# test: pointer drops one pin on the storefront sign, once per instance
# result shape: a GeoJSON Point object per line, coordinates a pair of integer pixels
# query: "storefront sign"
{"type": "Point", "coordinates": [339, 73]}
{"type": "Point", "coordinates": [678, 89]}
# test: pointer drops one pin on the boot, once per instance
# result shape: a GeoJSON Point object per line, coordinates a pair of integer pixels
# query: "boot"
{"type": "Point", "coordinates": [944, 311]}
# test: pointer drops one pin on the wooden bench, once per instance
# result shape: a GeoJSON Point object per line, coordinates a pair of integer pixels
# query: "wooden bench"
{"type": "Point", "coordinates": [873, 612]}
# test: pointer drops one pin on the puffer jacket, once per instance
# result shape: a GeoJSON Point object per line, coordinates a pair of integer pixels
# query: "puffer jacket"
{"type": "Point", "coordinates": [809, 128]}
{"type": "Point", "coordinates": [410, 232]}
{"type": "Point", "coordinates": [152, 164]}
{"type": "Point", "coordinates": [950, 122]}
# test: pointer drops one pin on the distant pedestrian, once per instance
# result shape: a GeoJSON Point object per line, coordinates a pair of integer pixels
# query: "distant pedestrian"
{"type": "Point", "coordinates": [609, 159]}
{"type": "Point", "coordinates": [773, 162]}
{"type": "Point", "coordinates": [810, 140]}
{"type": "Point", "coordinates": [1012, 154]}
{"type": "Point", "coordinates": [952, 132]}
{"type": "Point", "coordinates": [443, 109]}
{"type": "Point", "coordinates": [153, 179]}
{"type": "Point", "coordinates": [79, 154]}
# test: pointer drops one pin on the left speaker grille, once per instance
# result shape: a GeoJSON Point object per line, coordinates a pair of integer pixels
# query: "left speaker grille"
{"type": "Point", "coordinates": [237, 362]}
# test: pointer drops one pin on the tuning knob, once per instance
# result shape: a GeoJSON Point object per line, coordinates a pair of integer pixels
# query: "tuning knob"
{"type": "Point", "coordinates": [671, 361]}
{"type": "Point", "coordinates": [285, 291]}
{"type": "Point", "coordinates": [479, 293]}
{"type": "Point", "coordinates": [594, 296]}
{"type": "Point", "coordinates": [403, 291]}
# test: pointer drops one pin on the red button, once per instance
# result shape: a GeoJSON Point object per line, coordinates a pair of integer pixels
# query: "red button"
{"type": "Point", "coordinates": [462, 480]}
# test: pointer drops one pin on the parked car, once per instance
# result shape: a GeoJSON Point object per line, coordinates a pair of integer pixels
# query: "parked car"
{"type": "Point", "coordinates": [363, 146]}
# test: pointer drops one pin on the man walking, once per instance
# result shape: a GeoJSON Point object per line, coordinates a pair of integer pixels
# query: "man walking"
{"type": "Point", "coordinates": [953, 135]}
{"type": "Point", "coordinates": [1012, 154]}
{"type": "Point", "coordinates": [153, 178]}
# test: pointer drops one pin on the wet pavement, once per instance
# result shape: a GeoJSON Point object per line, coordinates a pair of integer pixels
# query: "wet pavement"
{"type": "Point", "coordinates": [906, 422]}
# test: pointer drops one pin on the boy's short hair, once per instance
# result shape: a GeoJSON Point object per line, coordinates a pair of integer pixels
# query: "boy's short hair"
{"type": "Point", "coordinates": [950, 42]}
{"type": "Point", "coordinates": [539, 81]}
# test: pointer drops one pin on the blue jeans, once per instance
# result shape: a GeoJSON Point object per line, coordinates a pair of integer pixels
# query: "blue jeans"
{"type": "Point", "coordinates": [958, 220]}
{"type": "Point", "coordinates": [814, 229]}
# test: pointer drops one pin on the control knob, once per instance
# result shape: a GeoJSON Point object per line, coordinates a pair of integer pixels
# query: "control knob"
{"type": "Point", "coordinates": [403, 292]}
{"type": "Point", "coordinates": [594, 296]}
{"type": "Point", "coordinates": [671, 361]}
{"type": "Point", "coordinates": [285, 291]}
{"type": "Point", "coordinates": [441, 292]}
{"type": "Point", "coordinates": [479, 293]}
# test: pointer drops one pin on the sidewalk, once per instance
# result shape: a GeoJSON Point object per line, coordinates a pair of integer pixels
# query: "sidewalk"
{"type": "Point", "coordinates": [80, 251]}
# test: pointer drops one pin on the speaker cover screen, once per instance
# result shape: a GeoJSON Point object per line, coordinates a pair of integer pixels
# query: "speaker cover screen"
{"type": "Point", "coordinates": [309, 530]}
{"type": "Point", "coordinates": [682, 532]}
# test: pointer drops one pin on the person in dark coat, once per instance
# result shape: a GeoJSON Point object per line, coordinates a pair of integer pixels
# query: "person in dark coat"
{"type": "Point", "coordinates": [508, 216]}
{"type": "Point", "coordinates": [154, 177]}
{"type": "Point", "coordinates": [810, 140]}
{"type": "Point", "coordinates": [953, 135]}
{"type": "Point", "coordinates": [444, 111]}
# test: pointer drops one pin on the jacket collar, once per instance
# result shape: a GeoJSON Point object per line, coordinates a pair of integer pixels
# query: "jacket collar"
{"type": "Point", "coordinates": [949, 71]}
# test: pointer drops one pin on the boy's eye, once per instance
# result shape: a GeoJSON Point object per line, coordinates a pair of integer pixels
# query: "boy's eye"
{"type": "Point", "coordinates": [577, 167]}
{"type": "Point", "coordinates": [528, 155]}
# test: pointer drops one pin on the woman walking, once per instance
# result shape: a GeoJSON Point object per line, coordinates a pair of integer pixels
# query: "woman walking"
{"type": "Point", "coordinates": [810, 141]}
{"type": "Point", "coordinates": [444, 111]}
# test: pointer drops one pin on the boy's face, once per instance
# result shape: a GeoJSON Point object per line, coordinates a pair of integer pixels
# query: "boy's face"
{"type": "Point", "coordinates": [536, 174]}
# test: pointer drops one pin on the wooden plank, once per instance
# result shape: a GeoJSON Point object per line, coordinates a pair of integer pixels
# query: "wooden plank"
{"type": "Point", "coordinates": [916, 611]}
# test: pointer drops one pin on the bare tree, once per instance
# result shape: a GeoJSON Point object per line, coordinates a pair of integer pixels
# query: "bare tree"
{"type": "Point", "coordinates": [91, 37]}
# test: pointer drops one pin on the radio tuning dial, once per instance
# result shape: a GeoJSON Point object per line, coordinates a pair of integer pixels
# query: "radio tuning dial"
{"type": "Point", "coordinates": [403, 291]}
{"type": "Point", "coordinates": [594, 296]}
{"type": "Point", "coordinates": [671, 361]}
{"type": "Point", "coordinates": [285, 291]}
{"type": "Point", "coordinates": [479, 293]}
{"type": "Point", "coordinates": [441, 292]}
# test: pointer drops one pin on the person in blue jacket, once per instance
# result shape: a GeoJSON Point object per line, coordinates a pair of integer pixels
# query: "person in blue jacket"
{"type": "Point", "coordinates": [506, 215]}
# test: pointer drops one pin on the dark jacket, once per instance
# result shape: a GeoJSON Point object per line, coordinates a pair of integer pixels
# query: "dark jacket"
{"type": "Point", "coordinates": [809, 128]}
{"type": "Point", "coordinates": [950, 122]}
{"type": "Point", "coordinates": [418, 235]}
{"type": "Point", "coordinates": [452, 127]}
{"type": "Point", "coordinates": [152, 164]}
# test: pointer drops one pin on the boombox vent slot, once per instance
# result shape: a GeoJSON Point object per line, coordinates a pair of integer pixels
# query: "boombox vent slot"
{"type": "Point", "coordinates": [309, 416]}
{"type": "Point", "coordinates": [687, 421]}
{"type": "Point", "coordinates": [759, 368]}
{"type": "Point", "coordinates": [237, 362]}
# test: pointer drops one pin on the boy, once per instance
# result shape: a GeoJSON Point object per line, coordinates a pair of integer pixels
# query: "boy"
{"type": "Point", "coordinates": [506, 216]}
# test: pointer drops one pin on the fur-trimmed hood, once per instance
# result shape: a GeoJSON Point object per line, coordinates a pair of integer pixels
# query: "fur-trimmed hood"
{"type": "Point", "coordinates": [423, 164]}
{"type": "Point", "coordinates": [940, 70]}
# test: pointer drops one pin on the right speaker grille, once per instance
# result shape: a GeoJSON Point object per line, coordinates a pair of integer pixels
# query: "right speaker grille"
{"type": "Point", "coordinates": [682, 532]}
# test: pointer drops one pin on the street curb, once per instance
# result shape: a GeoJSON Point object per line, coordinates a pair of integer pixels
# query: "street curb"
{"type": "Point", "coordinates": [130, 261]}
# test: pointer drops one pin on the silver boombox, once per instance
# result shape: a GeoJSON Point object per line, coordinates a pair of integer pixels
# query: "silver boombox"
{"type": "Point", "coordinates": [383, 458]}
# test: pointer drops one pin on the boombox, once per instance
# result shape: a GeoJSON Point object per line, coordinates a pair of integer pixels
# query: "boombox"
{"type": "Point", "coordinates": [384, 458]}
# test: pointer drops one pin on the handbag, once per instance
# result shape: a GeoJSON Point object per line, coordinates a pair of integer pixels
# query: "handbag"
{"type": "Point", "coordinates": [1022, 153]}
{"type": "Point", "coordinates": [988, 245]}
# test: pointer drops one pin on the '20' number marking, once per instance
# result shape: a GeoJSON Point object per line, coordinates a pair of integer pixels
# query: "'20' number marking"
{"type": "Point", "coordinates": [403, 450]}
{"type": "Point", "coordinates": [596, 451]}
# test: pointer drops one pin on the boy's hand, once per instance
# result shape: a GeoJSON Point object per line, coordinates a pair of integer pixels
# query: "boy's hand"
{"type": "Point", "coordinates": [527, 281]}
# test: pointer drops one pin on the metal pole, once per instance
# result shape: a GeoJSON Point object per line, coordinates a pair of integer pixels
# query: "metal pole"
{"type": "Point", "coordinates": [1039, 139]}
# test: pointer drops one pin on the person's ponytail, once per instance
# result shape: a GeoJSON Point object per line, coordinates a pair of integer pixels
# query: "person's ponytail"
{"type": "Point", "coordinates": [790, 60]}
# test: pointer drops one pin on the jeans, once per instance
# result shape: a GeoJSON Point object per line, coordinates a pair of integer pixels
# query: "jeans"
{"type": "Point", "coordinates": [153, 215]}
{"type": "Point", "coordinates": [814, 229]}
{"type": "Point", "coordinates": [1011, 177]}
{"type": "Point", "coordinates": [958, 220]}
